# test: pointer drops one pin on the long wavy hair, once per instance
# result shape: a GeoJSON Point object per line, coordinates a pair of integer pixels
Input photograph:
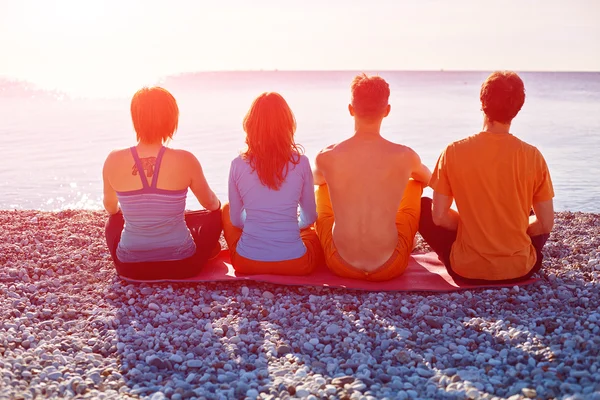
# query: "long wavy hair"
{"type": "Point", "coordinates": [270, 126]}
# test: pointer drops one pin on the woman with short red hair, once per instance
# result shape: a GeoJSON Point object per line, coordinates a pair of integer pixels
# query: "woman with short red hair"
{"type": "Point", "coordinates": [267, 183]}
{"type": "Point", "coordinates": [149, 234]}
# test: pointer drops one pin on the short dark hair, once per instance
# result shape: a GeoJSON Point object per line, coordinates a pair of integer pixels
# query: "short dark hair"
{"type": "Point", "coordinates": [502, 95]}
{"type": "Point", "coordinates": [370, 96]}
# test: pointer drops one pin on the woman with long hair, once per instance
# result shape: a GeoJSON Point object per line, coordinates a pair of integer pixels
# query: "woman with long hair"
{"type": "Point", "coordinates": [267, 183]}
{"type": "Point", "coordinates": [149, 234]}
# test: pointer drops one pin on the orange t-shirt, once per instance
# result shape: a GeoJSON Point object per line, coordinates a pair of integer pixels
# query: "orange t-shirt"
{"type": "Point", "coordinates": [494, 179]}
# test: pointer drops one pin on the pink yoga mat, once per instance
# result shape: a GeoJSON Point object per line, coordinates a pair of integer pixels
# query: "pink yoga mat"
{"type": "Point", "coordinates": [424, 273]}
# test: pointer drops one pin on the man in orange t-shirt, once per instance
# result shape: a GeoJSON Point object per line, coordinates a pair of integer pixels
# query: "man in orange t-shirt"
{"type": "Point", "coordinates": [495, 179]}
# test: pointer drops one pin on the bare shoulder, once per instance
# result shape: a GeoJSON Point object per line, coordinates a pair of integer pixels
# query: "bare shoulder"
{"type": "Point", "coordinates": [405, 151]}
{"type": "Point", "coordinates": [116, 156]}
{"type": "Point", "coordinates": [326, 152]}
{"type": "Point", "coordinates": [180, 153]}
{"type": "Point", "coordinates": [185, 156]}
{"type": "Point", "coordinates": [327, 149]}
{"type": "Point", "coordinates": [119, 152]}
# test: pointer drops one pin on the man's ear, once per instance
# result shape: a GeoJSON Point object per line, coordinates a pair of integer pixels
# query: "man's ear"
{"type": "Point", "coordinates": [351, 109]}
{"type": "Point", "coordinates": [387, 110]}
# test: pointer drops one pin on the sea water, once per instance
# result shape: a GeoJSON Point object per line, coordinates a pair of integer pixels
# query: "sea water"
{"type": "Point", "coordinates": [53, 145]}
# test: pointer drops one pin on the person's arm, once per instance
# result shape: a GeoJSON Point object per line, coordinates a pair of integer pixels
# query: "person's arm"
{"type": "Point", "coordinates": [110, 200]}
{"type": "Point", "coordinates": [236, 204]}
{"type": "Point", "coordinates": [318, 177]}
{"type": "Point", "coordinates": [199, 186]}
{"type": "Point", "coordinates": [441, 212]}
{"type": "Point", "coordinates": [420, 172]}
{"type": "Point", "coordinates": [443, 197]}
{"type": "Point", "coordinates": [543, 221]}
{"type": "Point", "coordinates": [308, 205]}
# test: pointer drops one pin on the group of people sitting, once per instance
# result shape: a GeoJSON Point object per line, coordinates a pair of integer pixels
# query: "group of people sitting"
{"type": "Point", "coordinates": [367, 208]}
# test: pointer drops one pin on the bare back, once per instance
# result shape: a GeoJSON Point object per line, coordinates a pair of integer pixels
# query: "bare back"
{"type": "Point", "coordinates": [179, 170]}
{"type": "Point", "coordinates": [174, 173]}
{"type": "Point", "coordinates": [366, 177]}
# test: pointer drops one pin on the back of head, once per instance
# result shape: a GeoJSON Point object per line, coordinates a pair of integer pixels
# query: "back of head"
{"type": "Point", "coordinates": [502, 96]}
{"type": "Point", "coordinates": [155, 115]}
{"type": "Point", "coordinates": [370, 96]}
{"type": "Point", "coordinates": [270, 126]}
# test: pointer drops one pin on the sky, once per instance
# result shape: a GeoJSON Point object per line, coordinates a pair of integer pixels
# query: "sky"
{"type": "Point", "coordinates": [105, 44]}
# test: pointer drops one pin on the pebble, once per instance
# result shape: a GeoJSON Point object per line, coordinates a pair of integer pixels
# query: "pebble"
{"type": "Point", "coordinates": [308, 346]}
{"type": "Point", "coordinates": [54, 376]}
{"type": "Point", "coordinates": [342, 380]}
{"type": "Point", "coordinates": [333, 329]}
{"type": "Point", "coordinates": [95, 377]}
{"type": "Point", "coordinates": [176, 358]}
{"type": "Point", "coordinates": [433, 322]}
{"type": "Point", "coordinates": [358, 386]}
{"type": "Point", "coordinates": [268, 295]}
{"type": "Point", "coordinates": [195, 364]}
{"type": "Point", "coordinates": [156, 361]}
{"type": "Point", "coordinates": [283, 349]}
{"type": "Point", "coordinates": [223, 340]}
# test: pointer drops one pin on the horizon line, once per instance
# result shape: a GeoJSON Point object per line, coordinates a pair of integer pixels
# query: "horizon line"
{"type": "Point", "coordinates": [381, 70]}
{"type": "Point", "coordinates": [170, 74]}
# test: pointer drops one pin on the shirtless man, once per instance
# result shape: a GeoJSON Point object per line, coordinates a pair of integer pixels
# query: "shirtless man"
{"type": "Point", "coordinates": [373, 187]}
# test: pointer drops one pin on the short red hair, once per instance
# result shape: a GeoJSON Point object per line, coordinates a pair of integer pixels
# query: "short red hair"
{"type": "Point", "coordinates": [370, 96]}
{"type": "Point", "coordinates": [155, 114]}
{"type": "Point", "coordinates": [270, 126]}
{"type": "Point", "coordinates": [502, 95]}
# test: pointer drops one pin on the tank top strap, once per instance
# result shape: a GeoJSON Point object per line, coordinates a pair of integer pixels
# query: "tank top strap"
{"type": "Point", "coordinates": [140, 168]}
{"type": "Point", "coordinates": [159, 158]}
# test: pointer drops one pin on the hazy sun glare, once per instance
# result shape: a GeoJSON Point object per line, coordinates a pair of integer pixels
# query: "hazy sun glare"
{"type": "Point", "coordinates": [108, 47]}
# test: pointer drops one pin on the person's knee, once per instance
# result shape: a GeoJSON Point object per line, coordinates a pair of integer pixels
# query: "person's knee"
{"type": "Point", "coordinates": [425, 217]}
{"type": "Point", "coordinates": [216, 214]}
{"type": "Point", "coordinates": [217, 221]}
{"type": "Point", "coordinates": [414, 188]}
{"type": "Point", "coordinates": [426, 202]}
{"type": "Point", "coordinates": [115, 221]}
{"type": "Point", "coordinates": [322, 194]}
{"type": "Point", "coordinates": [225, 208]}
{"type": "Point", "coordinates": [323, 229]}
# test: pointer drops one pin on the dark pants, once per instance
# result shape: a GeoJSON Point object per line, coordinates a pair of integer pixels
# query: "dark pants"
{"type": "Point", "coordinates": [441, 239]}
{"type": "Point", "coordinates": [205, 227]}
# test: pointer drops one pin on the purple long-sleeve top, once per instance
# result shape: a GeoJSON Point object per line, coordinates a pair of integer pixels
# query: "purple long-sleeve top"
{"type": "Point", "coordinates": [269, 218]}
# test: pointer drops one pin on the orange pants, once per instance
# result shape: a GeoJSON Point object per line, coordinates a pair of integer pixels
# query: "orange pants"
{"type": "Point", "coordinates": [298, 266]}
{"type": "Point", "coordinates": [407, 222]}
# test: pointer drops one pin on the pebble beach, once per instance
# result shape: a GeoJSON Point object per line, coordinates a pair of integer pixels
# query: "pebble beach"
{"type": "Point", "coordinates": [70, 328]}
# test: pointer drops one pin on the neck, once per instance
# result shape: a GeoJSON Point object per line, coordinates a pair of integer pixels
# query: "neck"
{"type": "Point", "coordinates": [495, 127]}
{"type": "Point", "coordinates": [146, 145]}
{"type": "Point", "coordinates": [367, 128]}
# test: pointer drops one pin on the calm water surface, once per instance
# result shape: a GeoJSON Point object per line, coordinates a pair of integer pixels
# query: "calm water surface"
{"type": "Point", "coordinates": [53, 146]}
